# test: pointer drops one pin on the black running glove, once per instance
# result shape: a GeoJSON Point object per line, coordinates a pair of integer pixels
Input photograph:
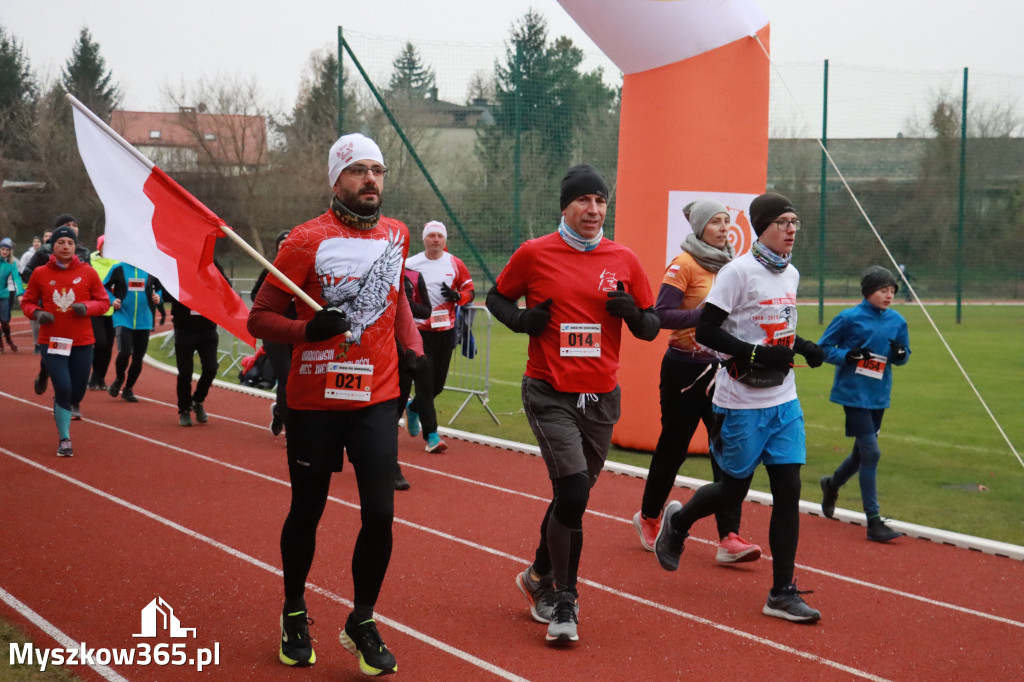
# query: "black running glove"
{"type": "Point", "coordinates": [450, 294]}
{"type": "Point", "coordinates": [535, 320]}
{"type": "Point", "coordinates": [773, 357]}
{"type": "Point", "coordinates": [811, 352]}
{"type": "Point", "coordinates": [326, 324]}
{"type": "Point", "coordinates": [621, 304]}
{"type": "Point", "coordinates": [897, 351]}
{"type": "Point", "coordinates": [856, 355]}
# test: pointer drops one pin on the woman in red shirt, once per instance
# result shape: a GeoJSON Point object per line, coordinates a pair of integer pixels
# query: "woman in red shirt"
{"type": "Point", "coordinates": [61, 296]}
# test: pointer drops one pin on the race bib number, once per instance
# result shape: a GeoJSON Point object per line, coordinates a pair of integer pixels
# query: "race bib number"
{"type": "Point", "coordinates": [349, 381]}
{"type": "Point", "coordinates": [439, 318]}
{"type": "Point", "coordinates": [783, 337]}
{"type": "Point", "coordinates": [873, 367]}
{"type": "Point", "coordinates": [59, 346]}
{"type": "Point", "coordinates": [136, 284]}
{"type": "Point", "coordinates": [579, 340]}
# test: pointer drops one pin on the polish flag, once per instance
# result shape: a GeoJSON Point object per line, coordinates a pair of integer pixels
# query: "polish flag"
{"type": "Point", "coordinates": [153, 223]}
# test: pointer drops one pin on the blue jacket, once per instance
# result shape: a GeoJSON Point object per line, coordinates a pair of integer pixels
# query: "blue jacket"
{"type": "Point", "coordinates": [863, 326]}
{"type": "Point", "coordinates": [134, 287]}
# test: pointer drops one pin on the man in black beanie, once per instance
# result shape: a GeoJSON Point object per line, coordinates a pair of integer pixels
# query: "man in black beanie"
{"type": "Point", "coordinates": [579, 287]}
{"type": "Point", "coordinates": [750, 316]}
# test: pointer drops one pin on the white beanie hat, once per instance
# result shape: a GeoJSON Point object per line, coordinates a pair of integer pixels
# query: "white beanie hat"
{"type": "Point", "coordinates": [349, 149]}
{"type": "Point", "coordinates": [435, 226]}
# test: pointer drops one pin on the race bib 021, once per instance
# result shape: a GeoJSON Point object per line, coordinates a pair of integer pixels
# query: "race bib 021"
{"type": "Point", "coordinates": [349, 381]}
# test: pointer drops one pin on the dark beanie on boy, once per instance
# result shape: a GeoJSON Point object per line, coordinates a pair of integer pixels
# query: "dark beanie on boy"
{"type": "Point", "coordinates": [580, 180]}
{"type": "Point", "coordinates": [63, 231]}
{"type": "Point", "coordinates": [766, 208]}
{"type": "Point", "coordinates": [876, 277]}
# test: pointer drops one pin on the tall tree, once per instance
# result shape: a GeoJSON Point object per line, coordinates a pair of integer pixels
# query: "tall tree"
{"type": "Point", "coordinates": [85, 75]}
{"type": "Point", "coordinates": [18, 93]}
{"type": "Point", "coordinates": [554, 113]}
{"type": "Point", "coordinates": [410, 78]}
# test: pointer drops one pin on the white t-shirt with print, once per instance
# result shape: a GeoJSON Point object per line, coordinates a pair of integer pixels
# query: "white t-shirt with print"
{"type": "Point", "coordinates": [762, 310]}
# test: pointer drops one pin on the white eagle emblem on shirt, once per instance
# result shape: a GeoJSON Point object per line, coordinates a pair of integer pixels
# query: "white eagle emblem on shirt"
{"type": "Point", "coordinates": [365, 298]}
{"type": "Point", "coordinates": [64, 298]}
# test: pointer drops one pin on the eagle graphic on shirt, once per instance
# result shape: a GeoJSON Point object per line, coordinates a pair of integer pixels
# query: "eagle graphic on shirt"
{"type": "Point", "coordinates": [64, 298]}
{"type": "Point", "coordinates": [362, 297]}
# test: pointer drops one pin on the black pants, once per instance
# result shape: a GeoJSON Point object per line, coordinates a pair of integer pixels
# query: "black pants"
{"type": "Point", "coordinates": [187, 342]}
{"type": "Point", "coordinates": [103, 350]}
{"type": "Point", "coordinates": [437, 346]}
{"type": "Point", "coordinates": [131, 347]}
{"type": "Point", "coordinates": [681, 411]}
{"type": "Point", "coordinates": [317, 444]}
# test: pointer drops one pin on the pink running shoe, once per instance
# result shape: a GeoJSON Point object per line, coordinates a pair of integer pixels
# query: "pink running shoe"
{"type": "Point", "coordinates": [647, 529]}
{"type": "Point", "coordinates": [735, 550]}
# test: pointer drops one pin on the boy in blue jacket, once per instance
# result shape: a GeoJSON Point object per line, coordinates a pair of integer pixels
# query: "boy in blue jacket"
{"type": "Point", "coordinates": [864, 342]}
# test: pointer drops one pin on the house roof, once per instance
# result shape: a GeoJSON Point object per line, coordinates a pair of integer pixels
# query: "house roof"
{"type": "Point", "coordinates": [230, 139]}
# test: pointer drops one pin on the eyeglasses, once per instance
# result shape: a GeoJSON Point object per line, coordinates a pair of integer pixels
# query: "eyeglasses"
{"type": "Point", "coordinates": [359, 171]}
{"type": "Point", "coordinates": [783, 225]}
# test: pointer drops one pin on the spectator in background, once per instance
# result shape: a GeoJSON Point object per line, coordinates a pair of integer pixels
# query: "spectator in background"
{"type": "Point", "coordinates": [412, 367]}
{"type": "Point", "coordinates": [10, 290]}
{"type": "Point", "coordinates": [37, 244]}
{"type": "Point", "coordinates": [132, 292]}
{"type": "Point", "coordinates": [102, 325]}
{"type": "Point", "coordinates": [448, 286]}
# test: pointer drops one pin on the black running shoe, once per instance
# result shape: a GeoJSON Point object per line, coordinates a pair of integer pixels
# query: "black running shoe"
{"type": "Point", "coordinates": [129, 395]}
{"type": "Point", "coordinates": [296, 646]}
{"type": "Point", "coordinates": [879, 532]}
{"type": "Point", "coordinates": [197, 407]}
{"type": "Point", "coordinates": [829, 497]}
{"type": "Point", "coordinates": [39, 385]}
{"type": "Point", "coordinates": [115, 388]}
{"type": "Point", "coordinates": [364, 641]}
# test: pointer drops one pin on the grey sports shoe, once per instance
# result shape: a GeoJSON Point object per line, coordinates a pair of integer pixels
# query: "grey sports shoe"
{"type": "Point", "coordinates": [789, 605]}
{"type": "Point", "coordinates": [668, 547]}
{"type": "Point", "coordinates": [539, 593]}
{"type": "Point", "coordinates": [564, 619]}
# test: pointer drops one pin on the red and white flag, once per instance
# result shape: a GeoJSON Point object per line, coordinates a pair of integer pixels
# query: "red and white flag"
{"type": "Point", "coordinates": [155, 224]}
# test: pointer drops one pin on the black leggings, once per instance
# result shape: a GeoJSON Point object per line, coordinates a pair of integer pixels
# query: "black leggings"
{"type": "Point", "coordinates": [369, 437]}
{"type": "Point", "coordinates": [784, 527]}
{"type": "Point", "coordinates": [103, 349]}
{"type": "Point", "coordinates": [131, 345]}
{"type": "Point", "coordinates": [684, 403]}
{"type": "Point", "coordinates": [561, 531]}
{"type": "Point", "coordinates": [188, 342]}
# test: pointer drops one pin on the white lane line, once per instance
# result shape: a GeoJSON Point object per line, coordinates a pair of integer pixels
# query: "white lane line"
{"type": "Point", "coordinates": [442, 535]}
{"type": "Point", "coordinates": [56, 633]}
{"type": "Point", "coordinates": [242, 556]}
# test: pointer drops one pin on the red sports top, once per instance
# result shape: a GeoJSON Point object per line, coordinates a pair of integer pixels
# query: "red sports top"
{"type": "Point", "coordinates": [358, 271]}
{"type": "Point", "coordinates": [54, 289]}
{"type": "Point", "coordinates": [578, 282]}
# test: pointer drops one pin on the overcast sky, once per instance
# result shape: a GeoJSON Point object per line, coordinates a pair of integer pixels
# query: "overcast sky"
{"type": "Point", "coordinates": [148, 45]}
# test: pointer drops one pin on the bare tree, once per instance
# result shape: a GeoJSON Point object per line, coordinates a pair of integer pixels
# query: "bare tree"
{"type": "Point", "coordinates": [227, 119]}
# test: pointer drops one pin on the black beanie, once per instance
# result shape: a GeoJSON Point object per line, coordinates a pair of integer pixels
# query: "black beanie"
{"type": "Point", "coordinates": [875, 278]}
{"type": "Point", "coordinates": [580, 180]}
{"type": "Point", "coordinates": [766, 208]}
{"type": "Point", "coordinates": [63, 231]}
{"type": "Point", "coordinates": [64, 219]}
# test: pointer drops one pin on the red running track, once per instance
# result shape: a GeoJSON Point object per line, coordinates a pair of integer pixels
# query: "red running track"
{"type": "Point", "coordinates": [146, 508]}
